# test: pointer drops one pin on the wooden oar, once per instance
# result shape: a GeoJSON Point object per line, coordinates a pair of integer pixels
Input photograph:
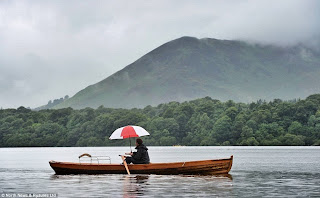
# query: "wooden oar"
{"type": "Point", "coordinates": [125, 164]}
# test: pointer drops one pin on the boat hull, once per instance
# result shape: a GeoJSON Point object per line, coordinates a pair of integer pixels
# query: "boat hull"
{"type": "Point", "coordinates": [205, 167]}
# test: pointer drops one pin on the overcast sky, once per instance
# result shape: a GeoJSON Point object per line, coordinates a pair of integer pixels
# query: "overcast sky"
{"type": "Point", "coordinates": [49, 49]}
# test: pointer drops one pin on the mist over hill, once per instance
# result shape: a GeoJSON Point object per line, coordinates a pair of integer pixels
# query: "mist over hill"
{"type": "Point", "coordinates": [188, 68]}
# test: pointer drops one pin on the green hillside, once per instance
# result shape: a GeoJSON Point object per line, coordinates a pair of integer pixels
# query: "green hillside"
{"type": "Point", "coordinates": [189, 68]}
{"type": "Point", "coordinates": [203, 121]}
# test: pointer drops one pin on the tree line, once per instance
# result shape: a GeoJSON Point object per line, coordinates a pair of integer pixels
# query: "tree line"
{"type": "Point", "coordinates": [200, 122]}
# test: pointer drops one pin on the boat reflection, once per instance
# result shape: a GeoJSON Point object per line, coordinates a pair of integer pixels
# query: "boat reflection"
{"type": "Point", "coordinates": [226, 175]}
{"type": "Point", "coordinates": [135, 185]}
{"type": "Point", "coordinates": [220, 176]}
{"type": "Point", "coordinates": [140, 185]}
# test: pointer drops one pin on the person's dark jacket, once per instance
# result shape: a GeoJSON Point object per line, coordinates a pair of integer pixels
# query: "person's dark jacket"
{"type": "Point", "coordinates": [141, 156]}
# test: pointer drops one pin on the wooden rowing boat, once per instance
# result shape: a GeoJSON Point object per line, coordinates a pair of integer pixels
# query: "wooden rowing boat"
{"type": "Point", "coordinates": [205, 167]}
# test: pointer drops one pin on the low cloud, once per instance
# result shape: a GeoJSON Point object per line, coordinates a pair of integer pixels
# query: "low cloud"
{"type": "Point", "coordinates": [50, 49]}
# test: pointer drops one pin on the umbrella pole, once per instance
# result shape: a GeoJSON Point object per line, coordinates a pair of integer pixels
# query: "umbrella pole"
{"type": "Point", "coordinates": [130, 144]}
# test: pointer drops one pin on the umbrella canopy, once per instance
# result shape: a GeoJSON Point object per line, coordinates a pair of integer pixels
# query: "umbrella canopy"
{"type": "Point", "coordinates": [128, 132]}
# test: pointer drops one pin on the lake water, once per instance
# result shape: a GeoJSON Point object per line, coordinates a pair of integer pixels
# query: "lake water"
{"type": "Point", "coordinates": [256, 172]}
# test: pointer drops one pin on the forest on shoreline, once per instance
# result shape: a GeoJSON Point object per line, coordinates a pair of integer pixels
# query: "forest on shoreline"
{"type": "Point", "coordinates": [201, 122]}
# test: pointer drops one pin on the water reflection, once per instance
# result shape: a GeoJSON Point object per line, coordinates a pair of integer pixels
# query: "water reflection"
{"type": "Point", "coordinates": [135, 186]}
{"type": "Point", "coordinates": [222, 176]}
{"type": "Point", "coordinates": [239, 184]}
{"type": "Point", "coordinates": [145, 185]}
{"type": "Point", "coordinates": [226, 175]}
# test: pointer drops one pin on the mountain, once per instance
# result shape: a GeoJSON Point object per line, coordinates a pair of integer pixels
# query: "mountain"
{"type": "Point", "coordinates": [189, 68]}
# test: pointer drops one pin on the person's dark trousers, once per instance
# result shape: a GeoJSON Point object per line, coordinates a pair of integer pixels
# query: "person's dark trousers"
{"type": "Point", "coordinates": [129, 160]}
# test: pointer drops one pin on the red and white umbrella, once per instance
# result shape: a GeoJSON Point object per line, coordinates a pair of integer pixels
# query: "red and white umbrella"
{"type": "Point", "coordinates": [128, 132]}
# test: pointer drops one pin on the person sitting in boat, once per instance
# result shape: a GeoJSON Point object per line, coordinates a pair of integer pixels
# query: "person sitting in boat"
{"type": "Point", "coordinates": [139, 157]}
